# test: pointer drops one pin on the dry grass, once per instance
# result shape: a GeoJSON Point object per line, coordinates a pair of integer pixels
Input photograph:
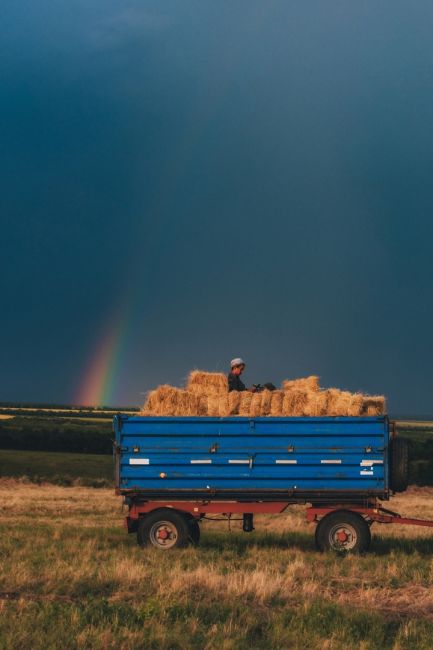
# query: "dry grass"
{"type": "Point", "coordinates": [71, 576]}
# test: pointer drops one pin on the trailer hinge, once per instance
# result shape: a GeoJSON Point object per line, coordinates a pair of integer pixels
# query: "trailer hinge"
{"type": "Point", "coordinates": [214, 448]}
{"type": "Point", "coordinates": [136, 450]}
{"type": "Point", "coordinates": [252, 424]}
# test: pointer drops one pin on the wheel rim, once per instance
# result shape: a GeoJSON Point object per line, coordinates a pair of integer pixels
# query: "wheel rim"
{"type": "Point", "coordinates": [163, 534]}
{"type": "Point", "coordinates": [343, 537]}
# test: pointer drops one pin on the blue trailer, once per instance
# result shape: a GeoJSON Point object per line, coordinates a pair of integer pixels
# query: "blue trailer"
{"type": "Point", "coordinates": [174, 471]}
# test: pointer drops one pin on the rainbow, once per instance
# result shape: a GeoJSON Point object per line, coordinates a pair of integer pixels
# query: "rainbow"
{"type": "Point", "coordinates": [98, 385]}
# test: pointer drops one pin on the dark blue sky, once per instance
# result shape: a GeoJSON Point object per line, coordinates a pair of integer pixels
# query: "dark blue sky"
{"type": "Point", "coordinates": [237, 178]}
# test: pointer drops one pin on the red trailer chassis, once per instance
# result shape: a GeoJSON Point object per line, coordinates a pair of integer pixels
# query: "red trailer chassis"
{"type": "Point", "coordinates": [345, 526]}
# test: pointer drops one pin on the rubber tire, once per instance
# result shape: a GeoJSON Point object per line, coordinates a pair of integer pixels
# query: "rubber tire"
{"type": "Point", "coordinates": [343, 517]}
{"type": "Point", "coordinates": [194, 531]}
{"type": "Point", "coordinates": [399, 464]}
{"type": "Point", "coordinates": [176, 519]}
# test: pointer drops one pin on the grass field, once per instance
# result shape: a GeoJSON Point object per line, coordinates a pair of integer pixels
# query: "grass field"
{"type": "Point", "coordinates": [93, 470]}
{"type": "Point", "coordinates": [71, 577]}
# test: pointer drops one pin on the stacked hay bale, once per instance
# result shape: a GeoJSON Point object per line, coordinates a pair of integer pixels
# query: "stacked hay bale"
{"type": "Point", "coordinates": [206, 394]}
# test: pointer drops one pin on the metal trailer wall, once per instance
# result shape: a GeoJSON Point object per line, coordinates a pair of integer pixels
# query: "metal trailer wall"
{"type": "Point", "coordinates": [242, 458]}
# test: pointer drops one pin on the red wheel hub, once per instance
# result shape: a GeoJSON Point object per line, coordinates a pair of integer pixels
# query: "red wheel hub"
{"type": "Point", "coordinates": [342, 536]}
{"type": "Point", "coordinates": [162, 534]}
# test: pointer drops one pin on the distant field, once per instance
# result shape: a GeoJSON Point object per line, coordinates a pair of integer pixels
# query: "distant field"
{"type": "Point", "coordinates": [60, 468]}
{"type": "Point", "coordinates": [72, 578]}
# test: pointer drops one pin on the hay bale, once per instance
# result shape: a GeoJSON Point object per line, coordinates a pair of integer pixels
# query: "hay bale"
{"type": "Point", "coordinates": [234, 401]}
{"type": "Point", "coordinates": [207, 383]}
{"type": "Point", "coordinates": [294, 402]}
{"type": "Point", "coordinates": [333, 395]}
{"type": "Point", "coordinates": [316, 404]}
{"type": "Point", "coordinates": [277, 403]}
{"type": "Point", "coordinates": [256, 405]}
{"type": "Point", "coordinates": [167, 400]}
{"type": "Point", "coordinates": [245, 403]}
{"type": "Point", "coordinates": [213, 406]}
{"type": "Point", "coordinates": [310, 383]}
{"type": "Point", "coordinates": [163, 400]}
{"type": "Point", "coordinates": [266, 402]}
{"type": "Point", "coordinates": [355, 405]}
{"type": "Point", "coordinates": [223, 406]}
{"type": "Point", "coordinates": [202, 405]}
{"type": "Point", "coordinates": [341, 403]}
{"type": "Point", "coordinates": [373, 405]}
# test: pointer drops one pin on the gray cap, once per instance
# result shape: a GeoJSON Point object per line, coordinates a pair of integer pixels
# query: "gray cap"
{"type": "Point", "coordinates": [237, 362]}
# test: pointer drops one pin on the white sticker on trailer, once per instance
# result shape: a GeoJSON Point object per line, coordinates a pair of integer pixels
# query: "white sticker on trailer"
{"type": "Point", "coordinates": [205, 461]}
{"type": "Point", "coordinates": [365, 472]}
{"type": "Point", "coordinates": [286, 462]}
{"type": "Point", "coordinates": [239, 462]}
{"type": "Point", "coordinates": [139, 461]}
{"type": "Point", "coordinates": [369, 463]}
{"type": "Point", "coordinates": [331, 462]}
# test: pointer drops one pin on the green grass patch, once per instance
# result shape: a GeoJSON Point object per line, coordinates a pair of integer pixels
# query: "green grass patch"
{"type": "Point", "coordinates": [59, 468]}
{"type": "Point", "coordinates": [51, 432]}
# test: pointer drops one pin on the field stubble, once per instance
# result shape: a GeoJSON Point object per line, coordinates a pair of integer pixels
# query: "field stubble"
{"type": "Point", "coordinates": [72, 577]}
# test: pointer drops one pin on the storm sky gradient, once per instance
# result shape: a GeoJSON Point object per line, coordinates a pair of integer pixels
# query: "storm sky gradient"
{"type": "Point", "coordinates": [242, 178]}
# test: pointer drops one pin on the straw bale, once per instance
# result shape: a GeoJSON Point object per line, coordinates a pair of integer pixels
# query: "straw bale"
{"type": "Point", "coordinates": [245, 403]}
{"type": "Point", "coordinates": [208, 383]}
{"type": "Point", "coordinates": [213, 406]}
{"type": "Point", "coordinates": [356, 402]}
{"type": "Point", "coordinates": [304, 383]}
{"type": "Point", "coordinates": [333, 395]}
{"type": "Point", "coordinates": [256, 405]}
{"type": "Point", "coordinates": [202, 404]}
{"type": "Point", "coordinates": [223, 406]}
{"type": "Point", "coordinates": [234, 401]}
{"type": "Point", "coordinates": [317, 403]}
{"type": "Point", "coordinates": [374, 405]}
{"type": "Point", "coordinates": [277, 403]}
{"type": "Point", "coordinates": [162, 400]}
{"type": "Point", "coordinates": [341, 403]}
{"type": "Point", "coordinates": [266, 402]}
{"type": "Point", "coordinates": [294, 402]}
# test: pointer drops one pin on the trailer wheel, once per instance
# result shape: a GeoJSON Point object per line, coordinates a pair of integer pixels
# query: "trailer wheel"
{"type": "Point", "coordinates": [164, 529]}
{"type": "Point", "coordinates": [194, 531]}
{"type": "Point", "coordinates": [399, 464]}
{"type": "Point", "coordinates": [343, 531]}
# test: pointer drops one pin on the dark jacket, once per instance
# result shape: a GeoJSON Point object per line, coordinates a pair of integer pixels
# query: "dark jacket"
{"type": "Point", "coordinates": [235, 382]}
